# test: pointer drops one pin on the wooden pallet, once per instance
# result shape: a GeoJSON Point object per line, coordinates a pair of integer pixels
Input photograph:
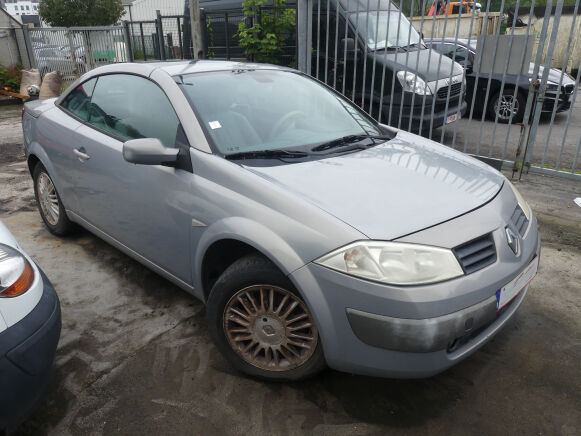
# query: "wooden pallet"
{"type": "Point", "coordinates": [13, 94]}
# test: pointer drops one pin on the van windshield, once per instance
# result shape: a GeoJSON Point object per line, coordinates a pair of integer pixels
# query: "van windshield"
{"type": "Point", "coordinates": [384, 29]}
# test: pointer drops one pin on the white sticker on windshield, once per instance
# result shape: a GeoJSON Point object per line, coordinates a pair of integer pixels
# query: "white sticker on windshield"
{"type": "Point", "coordinates": [215, 124]}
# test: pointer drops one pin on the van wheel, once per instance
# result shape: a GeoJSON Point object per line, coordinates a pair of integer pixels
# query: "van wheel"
{"type": "Point", "coordinates": [506, 104]}
{"type": "Point", "coordinates": [261, 325]}
{"type": "Point", "coordinates": [49, 203]}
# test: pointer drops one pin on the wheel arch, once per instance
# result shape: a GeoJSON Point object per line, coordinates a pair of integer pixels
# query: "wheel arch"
{"type": "Point", "coordinates": [36, 155]}
{"type": "Point", "coordinates": [230, 239]}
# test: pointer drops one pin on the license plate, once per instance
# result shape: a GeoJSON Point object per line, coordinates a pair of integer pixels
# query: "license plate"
{"type": "Point", "coordinates": [509, 291]}
{"type": "Point", "coordinates": [452, 118]}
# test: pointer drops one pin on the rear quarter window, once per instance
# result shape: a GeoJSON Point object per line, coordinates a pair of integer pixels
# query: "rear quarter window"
{"type": "Point", "coordinates": [78, 101]}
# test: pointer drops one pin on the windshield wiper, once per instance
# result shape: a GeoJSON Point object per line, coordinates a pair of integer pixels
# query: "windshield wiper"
{"type": "Point", "coordinates": [349, 139]}
{"type": "Point", "coordinates": [266, 154]}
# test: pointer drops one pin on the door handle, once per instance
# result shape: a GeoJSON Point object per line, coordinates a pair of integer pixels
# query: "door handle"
{"type": "Point", "coordinates": [81, 155]}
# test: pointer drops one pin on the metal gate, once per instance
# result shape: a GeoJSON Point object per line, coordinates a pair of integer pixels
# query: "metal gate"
{"type": "Point", "coordinates": [497, 82]}
{"type": "Point", "coordinates": [75, 50]}
{"type": "Point", "coordinates": [159, 39]}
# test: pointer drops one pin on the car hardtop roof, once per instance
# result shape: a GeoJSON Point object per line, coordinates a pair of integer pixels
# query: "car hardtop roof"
{"type": "Point", "coordinates": [179, 68]}
{"type": "Point", "coordinates": [172, 68]}
{"type": "Point", "coordinates": [202, 66]}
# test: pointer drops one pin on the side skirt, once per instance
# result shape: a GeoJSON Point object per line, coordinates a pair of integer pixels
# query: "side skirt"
{"type": "Point", "coordinates": [131, 253]}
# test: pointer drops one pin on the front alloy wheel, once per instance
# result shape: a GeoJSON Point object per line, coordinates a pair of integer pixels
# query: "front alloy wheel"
{"type": "Point", "coordinates": [270, 328]}
{"type": "Point", "coordinates": [261, 325]}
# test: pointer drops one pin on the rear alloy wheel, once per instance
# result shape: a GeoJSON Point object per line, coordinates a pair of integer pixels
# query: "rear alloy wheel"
{"type": "Point", "coordinates": [49, 203]}
{"type": "Point", "coordinates": [261, 325]}
{"type": "Point", "coordinates": [506, 105]}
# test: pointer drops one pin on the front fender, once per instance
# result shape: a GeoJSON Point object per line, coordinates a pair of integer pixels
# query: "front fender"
{"type": "Point", "coordinates": [249, 232]}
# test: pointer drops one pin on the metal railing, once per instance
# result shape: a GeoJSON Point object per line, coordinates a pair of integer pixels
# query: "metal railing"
{"type": "Point", "coordinates": [165, 32]}
{"type": "Point", "coordinates": [520, 110]}
{"type": "Point", "coordinates": [75, 50]}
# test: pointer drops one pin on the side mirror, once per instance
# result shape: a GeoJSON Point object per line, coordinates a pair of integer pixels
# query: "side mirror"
{"type": "Point", "coordinates": [349, 45]}
{"type": "Point", "coordinates": [149, 151]}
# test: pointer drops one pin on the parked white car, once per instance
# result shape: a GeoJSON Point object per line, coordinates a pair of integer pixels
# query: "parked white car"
{"type": "Point", "coordinates": [30, 325]}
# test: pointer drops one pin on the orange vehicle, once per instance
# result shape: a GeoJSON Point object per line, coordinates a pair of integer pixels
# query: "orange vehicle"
{"type": "Point", "coordinates": [442, 7]}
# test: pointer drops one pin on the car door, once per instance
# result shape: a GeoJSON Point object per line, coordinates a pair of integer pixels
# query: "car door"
{"type": "Point", "coordinates": [59, 136]}
{"type": "Point", "coordinates": [144, 207]}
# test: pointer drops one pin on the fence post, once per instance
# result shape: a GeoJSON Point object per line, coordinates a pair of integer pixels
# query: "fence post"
{"type": "Point", "coordinates": [128, 42]}
{"type": "Point", "coordinates": [73, 54]}
{"type": "Point", "coordinates": [28, 45]}
{"type": "Point", "coordinates": [304, 34]}
{"type": "Point", "coordinates": [226, 23]}
{"type": "Point", "coordinates": [142, 41]}
{"type": "Point", "coordinates": [160, 36]}
{"type": "Point", "coordinates": [196, 30]}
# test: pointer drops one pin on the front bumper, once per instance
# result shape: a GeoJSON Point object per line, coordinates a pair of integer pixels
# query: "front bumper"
{"type": "Point", "coordinates": [375, 329]}
{"type": "Point", "coordinates": [563, 102]}
{"type": "Point", "coordinates": [27, 351]}
{"type": "Point", "coordinates": [419, 117]}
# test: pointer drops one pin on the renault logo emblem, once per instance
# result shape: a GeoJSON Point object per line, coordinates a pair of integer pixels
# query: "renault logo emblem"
{"type": "Point", "coordinates": [512, 240]}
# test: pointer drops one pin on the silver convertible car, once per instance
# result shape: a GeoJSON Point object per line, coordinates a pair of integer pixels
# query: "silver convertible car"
{"type": "Point", "coordinates": [314, 235]}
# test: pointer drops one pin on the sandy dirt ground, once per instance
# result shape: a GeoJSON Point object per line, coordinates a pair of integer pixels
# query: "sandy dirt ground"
{"type": "Point", "coordinates": [135, 356]}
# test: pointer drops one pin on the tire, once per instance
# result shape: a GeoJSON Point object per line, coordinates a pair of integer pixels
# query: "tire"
{"type": "Point", "coordinates": [261, 348]}
{"type": "Point", "coordinates": [49, 203]}
{"type": "Point", "coordinates": [506, 101]}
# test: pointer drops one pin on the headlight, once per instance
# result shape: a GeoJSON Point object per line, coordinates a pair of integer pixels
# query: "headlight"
{"type": "Point", "coordinates": [521, 201]}
{"type": "Point", "coordinates": [16, 273]}
{"type": "Point", "coordinates": [412, 83]}
{"type": "Point", "coordinates": [552, 86]}
{"type": "Point", "coordinates": [395, 263]}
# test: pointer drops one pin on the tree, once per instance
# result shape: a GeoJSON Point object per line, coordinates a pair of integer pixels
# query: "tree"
{"type": "Point", "coordinates": [69, 13]}
{"type": "Point", "coordinates": [265, 39]}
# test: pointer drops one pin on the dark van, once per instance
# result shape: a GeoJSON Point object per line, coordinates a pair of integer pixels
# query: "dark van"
{"type": "Point", "coordinates": [378, 53]}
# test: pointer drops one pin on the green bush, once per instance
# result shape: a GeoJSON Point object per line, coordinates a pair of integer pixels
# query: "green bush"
{"type": "Point", "coordinates": [10, 77]}
{"type": "Point", "coordinates": [264, 39]}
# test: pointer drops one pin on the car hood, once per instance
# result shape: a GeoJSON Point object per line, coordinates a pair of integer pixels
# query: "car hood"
{"type": "Point", "coordinates": [554, 75]}
{"type": "Point", "coordinates": [393, 189]}
{"type": "Point", "coordinates": [429, 64]}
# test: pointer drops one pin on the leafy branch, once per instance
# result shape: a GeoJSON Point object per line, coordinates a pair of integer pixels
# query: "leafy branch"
{"type": "Point", "coordinates": [264, 38]}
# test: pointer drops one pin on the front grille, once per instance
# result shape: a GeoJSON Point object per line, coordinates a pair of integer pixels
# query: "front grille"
{"type": "Point", "coordinates": [476, 254]}
{"type": "Point", "coordinates": [454, 88]}
{"type": "Point", "coordinates": [520, 221]}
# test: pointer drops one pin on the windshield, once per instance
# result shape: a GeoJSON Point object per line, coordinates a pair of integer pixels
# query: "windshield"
{"type": "Point", "coordinates": [385, 29]}
{"type": "Point", "coordinates": [252, 110]}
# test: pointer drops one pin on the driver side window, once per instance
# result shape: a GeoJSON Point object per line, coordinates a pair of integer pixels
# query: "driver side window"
{"type": "Point", "coordinates": [131, 107]}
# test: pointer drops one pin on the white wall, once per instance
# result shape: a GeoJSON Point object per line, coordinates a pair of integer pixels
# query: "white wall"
{"type": "Point", "coordinates": [144, 10]}
{"type": "Point", "coordinates": [438, 26]}
{"type": "Point", "coordinates": [20, 8]}
{"type": "Point", "coordinates": [561, 47]}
